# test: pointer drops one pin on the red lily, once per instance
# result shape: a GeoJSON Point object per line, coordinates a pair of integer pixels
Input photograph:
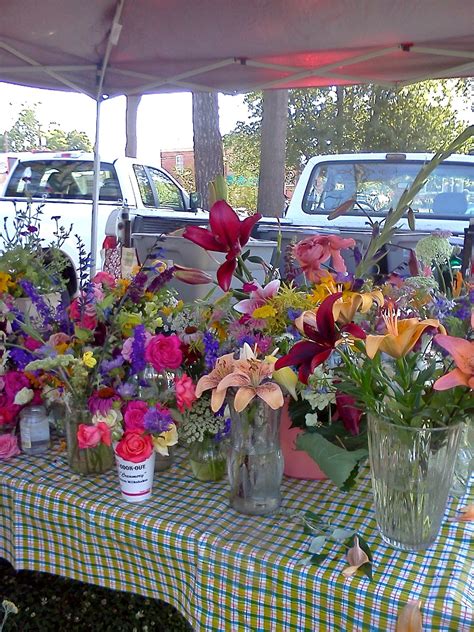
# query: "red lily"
{"type": "Point", "coordinates": [227, 233]}
{"type": "Point", "coordinates": [308, 354]}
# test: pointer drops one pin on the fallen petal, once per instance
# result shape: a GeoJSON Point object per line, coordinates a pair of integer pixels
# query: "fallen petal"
{"type": "Point", "coordinates": [409, 619]}
{"type": "Point", "coordinates": [466, 515]}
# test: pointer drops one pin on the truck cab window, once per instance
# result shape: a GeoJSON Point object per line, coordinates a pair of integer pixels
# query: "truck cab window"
{"type": "Point", "coordinates": [168, 194]}
{"type": "Point", "coordinates": [144, 185]}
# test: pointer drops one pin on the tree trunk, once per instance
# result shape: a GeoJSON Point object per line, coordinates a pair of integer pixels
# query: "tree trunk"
{"type": "Point", "coordinates": [271, 182]}
{"type": "Point", "coordinates": [208, 153]}
{"type": "Point", "coordinates": [133, 101]}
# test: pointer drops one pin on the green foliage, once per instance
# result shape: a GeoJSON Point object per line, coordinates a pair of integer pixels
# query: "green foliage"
{"type": "Point", "coordinates": [25, 255]}
{"type": "Point", "coordinates": [348, 119]}
{"type": "Point", "coordinates": [26, 135]}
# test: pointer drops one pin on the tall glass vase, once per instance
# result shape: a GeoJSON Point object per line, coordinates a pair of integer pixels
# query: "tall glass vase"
{"type": "Point", "coordinates": [412, 472]}
{"type": "Point", "coordinates": [255, 460]}
{"type": "Point", "coordinates": [85, 460]}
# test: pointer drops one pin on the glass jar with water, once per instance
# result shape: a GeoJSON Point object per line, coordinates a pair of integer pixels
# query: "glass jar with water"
{"type": "Point", "coordinates": [34, 429]}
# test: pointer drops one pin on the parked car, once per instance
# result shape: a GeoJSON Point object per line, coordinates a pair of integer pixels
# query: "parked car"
{"type": "Point", "coordinates": [148, 197]}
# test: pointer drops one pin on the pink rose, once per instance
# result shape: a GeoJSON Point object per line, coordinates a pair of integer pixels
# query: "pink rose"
{"type": "Point", "coordinates": [312, 252]}
{"type": "Point", "coordinates": [8, 446]}
{"type": "Point", "coordinates": [105, 433]}
{"type": "Point", "coordinates": [88, 318]}
{"type": "Point", "coordinates": [104, 278]}
{"type": "Point", "coordinates": [164, 352]}
{"type": "Point", "coordinates": [134, 446]}
{"type": "Point", "coordinates": [185, 392]}
{"type": "Point", "coordinates": [88, 436]}
{"type": "Point", "coordinates": [134, 415]}
{"type": "Point", "coordinates": [14, 381]}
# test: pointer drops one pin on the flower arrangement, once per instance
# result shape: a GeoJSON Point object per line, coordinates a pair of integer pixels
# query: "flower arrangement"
{"type": "Point", "coordinates": [27, 261]}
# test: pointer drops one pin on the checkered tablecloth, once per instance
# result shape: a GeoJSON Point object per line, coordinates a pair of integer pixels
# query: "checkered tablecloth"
{"type": "Point", "coordinates": [223, 570]}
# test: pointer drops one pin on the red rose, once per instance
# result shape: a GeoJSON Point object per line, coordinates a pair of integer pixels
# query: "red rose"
{"type": "Point", "coordinates": [164, 352]}
{"type": "Point", "coordinates": [134, 446]}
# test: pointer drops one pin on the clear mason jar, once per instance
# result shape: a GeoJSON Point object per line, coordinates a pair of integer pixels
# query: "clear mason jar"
{"type": "Point", "coordinates": [255, 461]}
{"type": "Point", "coordinates": [34, 429]}
{"type": "Point", "coordinates": [412, 473]}
{"type": "Point", "coordinates": [207, 459]}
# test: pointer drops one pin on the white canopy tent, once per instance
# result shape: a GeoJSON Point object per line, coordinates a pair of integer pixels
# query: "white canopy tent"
{"type": "Point", "coordinates": [105, 48]}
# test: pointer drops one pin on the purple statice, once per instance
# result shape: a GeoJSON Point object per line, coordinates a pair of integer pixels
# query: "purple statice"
{"type": "Point", "coordinates": [138, 349]}
{"type": "Point", "coordinates": [161, 280]}
{"type": "Point", "coordinates": [38, 301]}
{"type": "Point", "coordinates": [443, 307]}
{"type": "Point", "coordinates": [136, 289]}
{"type": "Point", "coordinates": [157, 419]}
{"type": "Point", "coordinates": [127, 390]}
{"type": "Point", "coordinates": [109, 365]}
{"type": "Point", "coordinates": [462, 308]}
{"type": "Point", "coordinates": [211, 348]}
{"type": "Point", "coordinates": [224, 432]}
{"type": "Point", "coordinates": [293, 314]}
{"type": "Point", "coordinates": [21, 357]}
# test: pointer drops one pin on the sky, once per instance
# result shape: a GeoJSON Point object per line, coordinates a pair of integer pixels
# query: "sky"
{"type": "Point", "coordinates": [164, 121]}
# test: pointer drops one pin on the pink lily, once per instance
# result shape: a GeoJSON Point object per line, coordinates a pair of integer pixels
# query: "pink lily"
{"type": "Point", "coordinates": [226, 233]}
{"type": "Point", "coordinates": [258, 297]}
{"type": "Point", "coordinates": [462, 351]}
{"type": "Point", "coordinates": [192, 276]}
{"type": "Point", "coordinates": [224, 365]}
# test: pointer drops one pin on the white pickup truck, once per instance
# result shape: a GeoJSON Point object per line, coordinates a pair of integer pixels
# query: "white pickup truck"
{"type": "Point", "coordinates": [154, 201]}
{"type": "Point", "coordinates": [375, 182]}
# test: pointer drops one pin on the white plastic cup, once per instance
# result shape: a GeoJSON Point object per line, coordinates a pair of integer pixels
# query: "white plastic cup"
{"type": "Point", "coordinates": [136, 479]}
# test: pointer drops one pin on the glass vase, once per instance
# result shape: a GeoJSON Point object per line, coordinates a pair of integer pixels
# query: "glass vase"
{"type": "Point", "coordinates": [207, 459]}
{"type": "Point", "coordinates": [85, 460]}
{"type": "Point", "coordinates": [255, 460]}
{"type": "Point", "coordinates": [164, 462]}
{"type": "Point", "coordinates": [412, 472]}
{"type": "Point", "coordinates": [464, 465]}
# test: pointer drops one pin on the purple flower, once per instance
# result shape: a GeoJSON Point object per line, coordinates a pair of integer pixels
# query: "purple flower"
{"type": "Point", "coordinates": [43, 309]}
{"type": "Point", "coordinates": [138, 349]}
{"type": "Point", "coordinates": [109, 365]}
{"type": "Point", "coordinates": [102, 401]}
{"type": "Point", "coordinates": [211, 348]}
{"type": "Point", "coordinates": [157, 419]}
{"type": "Point", "coordinates": [161, 280]}
{"type": "Point", "coordinates": [21, 357]}
{"type": "Point", "coordinates": [127, 390]}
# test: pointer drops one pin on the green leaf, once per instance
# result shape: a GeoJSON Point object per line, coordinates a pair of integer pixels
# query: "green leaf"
{"type": "Point", "coordinates": [316, 559]}
{"type": "Point", "coordinates": [367, 569]}
{"type": "Point", "coordinates": [305, 561]}
{"type": "Point", "coordinates": [317, 544]}
{"type": "Point", "coordinates": [341, 534]}
{"type": "Point", "coordinates": [337, 463]}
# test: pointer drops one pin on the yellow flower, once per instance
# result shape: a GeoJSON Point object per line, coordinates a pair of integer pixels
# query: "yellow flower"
{"type": "Point", "coordinates": [89, 360]}
{"type": "Point", "coordinates": [122, 286]}
{"type": "Point", "coordinates": [5, 282]}
{"type": "Point", "coordinates": [265, 311]}
{"type": "Point", "coordinates": [401, 336]}
{"type": "Point", "coordinates": [127, 322]}
{"type": "Point", "coordinates": [165, 439]}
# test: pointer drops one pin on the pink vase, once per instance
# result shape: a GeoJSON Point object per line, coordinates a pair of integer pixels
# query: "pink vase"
{"type": "Point", "coordinates": [298, 464]}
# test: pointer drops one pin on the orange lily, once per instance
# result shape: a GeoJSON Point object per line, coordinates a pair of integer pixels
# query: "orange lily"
{"type": "Point", "coordinates": [409, 619]}
{"type": "Point", "coordinates": [351, 302]}
{"type": "Point", "coordinates": [462, 351]}
{"type": "Point", "coordinates": [401, 336]}
{"type": "Point", "coordinates": [224, 366]}
{"type": "Point", "coordinates": [249, 375]}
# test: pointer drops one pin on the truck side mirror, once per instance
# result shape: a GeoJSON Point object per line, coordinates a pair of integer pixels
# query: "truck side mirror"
{"type": "Point", "coordinates": [195, 200]}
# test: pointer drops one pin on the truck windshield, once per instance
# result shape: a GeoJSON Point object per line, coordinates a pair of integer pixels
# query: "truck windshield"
{"type": "Point", "coordinates": [62, 179]}
{"type": "Point", "coordinates": [376, 186]}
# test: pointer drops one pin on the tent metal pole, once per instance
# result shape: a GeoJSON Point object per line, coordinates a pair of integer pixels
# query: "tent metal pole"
{"type": "Point", "coordinates": [95, 190]}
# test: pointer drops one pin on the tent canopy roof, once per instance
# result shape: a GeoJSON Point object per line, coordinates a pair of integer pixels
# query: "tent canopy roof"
{"type": "Point", "coordinates": [146, 46]}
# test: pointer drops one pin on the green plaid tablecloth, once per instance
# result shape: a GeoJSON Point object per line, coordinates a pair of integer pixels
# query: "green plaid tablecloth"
{"type": "Point", "coordinates": [222, 570]}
